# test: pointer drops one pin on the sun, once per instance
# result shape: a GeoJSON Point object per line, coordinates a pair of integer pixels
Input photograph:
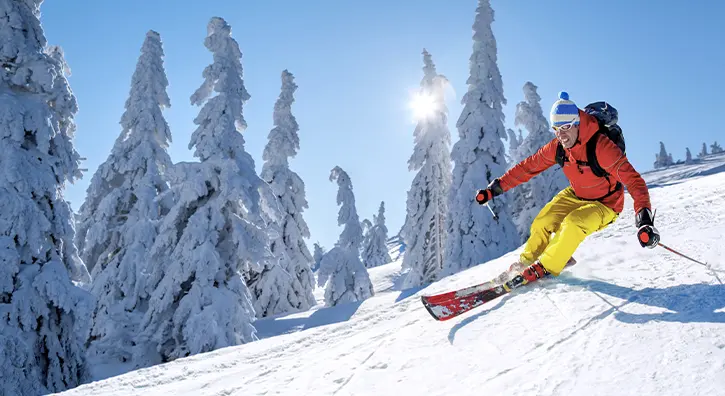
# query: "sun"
{"type": "Point", "coordinates": [422, 105]}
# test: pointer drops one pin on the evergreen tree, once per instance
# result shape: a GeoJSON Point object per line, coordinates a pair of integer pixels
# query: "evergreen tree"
{"type": "Point", "coordinates": [118, 219]}
{"type": "Point", "coordinates": [317, 255]}
{"type": "Point", "coordinates": [424, 230]}
{"type": "Point", "coordinates": [514, 143]}
{"type": "Point", "coordinates": [715, 148]}
{"type": "Point", "coordinates": [346, 277]}
{"type": "Point", "coordinates": [688, 157]}
{"type": "Point", "coordinates": [366, 226]}
{"type": "Point", "coordinates": [479, 157]}
{"type": "Point", "coordinates": [214, 233]}
{"type": "Point", "coordinates": [42, 311]}
{"type": "Point", "coordinates": [287, 284]}
{"type": "Point", "coordinates": [663, 159]}
{"type": "Point", "coordinates": [375, 249]}
{"type": "Point", "coordinates": [703, 152]}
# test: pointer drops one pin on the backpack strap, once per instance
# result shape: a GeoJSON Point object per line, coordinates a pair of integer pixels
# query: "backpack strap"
{"type": "Point", "coordinates": [592, 156]}
{"type": "Point", "coordinates": [594, 163]}
{"type": "Point", "coordinates": [560, 155]}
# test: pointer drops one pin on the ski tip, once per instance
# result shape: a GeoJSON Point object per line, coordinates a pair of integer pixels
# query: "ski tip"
{"type": "Point", "coordinates": [427, 306]}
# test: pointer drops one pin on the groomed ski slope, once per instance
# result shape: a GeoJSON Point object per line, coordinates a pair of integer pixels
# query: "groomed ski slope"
{"type": "Point", "coordinates": [623, 321]}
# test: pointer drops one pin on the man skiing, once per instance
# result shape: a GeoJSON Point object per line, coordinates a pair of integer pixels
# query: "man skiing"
{"type": "Point", "coordinates": [588, 205]}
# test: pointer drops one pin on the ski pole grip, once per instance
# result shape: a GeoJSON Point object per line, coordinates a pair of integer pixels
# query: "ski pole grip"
{"type": "Point", "coordinates": [483, 196]}
{"type": "Point", "coordinates": [644, 237]}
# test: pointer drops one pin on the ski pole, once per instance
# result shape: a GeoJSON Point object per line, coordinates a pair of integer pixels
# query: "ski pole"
{"type": "Point", "coordinates": [691, 259]}
{"type": "Point", "coordinates": [495, 216]}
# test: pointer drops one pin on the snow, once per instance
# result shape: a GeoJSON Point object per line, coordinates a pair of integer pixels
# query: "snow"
{"type": "Point", "coordinates": [624, 320]}
{"type": "Point", "coordinates": [708, 165]}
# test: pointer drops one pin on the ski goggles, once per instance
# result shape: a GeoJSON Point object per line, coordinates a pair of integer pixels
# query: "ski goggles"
{"type": "Point", "coordinates": [565, 127]}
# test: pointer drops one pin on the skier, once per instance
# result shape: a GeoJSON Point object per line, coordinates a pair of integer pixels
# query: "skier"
{"type": "Point", "coordinates": [588, 205]}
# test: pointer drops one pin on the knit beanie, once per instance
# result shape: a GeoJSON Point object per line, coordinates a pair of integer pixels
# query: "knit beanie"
{"type": "Point", "coordinates": [564, 111]}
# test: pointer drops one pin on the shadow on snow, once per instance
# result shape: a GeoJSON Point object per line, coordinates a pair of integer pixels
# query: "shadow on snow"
{"type": "Point", "coordinates": [270, 327]}
{"type": "Point", "coordinates": [692, 303]}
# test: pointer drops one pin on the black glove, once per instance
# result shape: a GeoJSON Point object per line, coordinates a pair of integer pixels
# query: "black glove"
{"type": "Point", "coordinates": [494, 189]}
{"type": "Point", "coordinates": [647, 234]}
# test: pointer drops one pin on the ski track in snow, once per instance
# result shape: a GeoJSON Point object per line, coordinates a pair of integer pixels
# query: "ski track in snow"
{"type": "Point", "coordinates": [622, 321]}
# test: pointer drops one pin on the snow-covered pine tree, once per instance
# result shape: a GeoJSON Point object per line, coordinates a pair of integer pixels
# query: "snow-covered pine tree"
{"type": "Point", "coordinates": [346, 277]}
{"type": "Point", "coordinates": [703, 152]}
{"type": "Point", "coordinates": [424, 230]}
{"type": "Point", "coordinates": [366, 226]}
{"type": "Point", "coordinates": [479, 157]}
{"type": "Point", "coordinates": [317, 255]}
{"type": "Point", "coordinates": [514, 143]}
{"type": "Point", "coordinates": [663, 159]}
{"type": "Point", "coordinates": [118, 220]}
{"type": "Point", "coordinates": [715, 148]}
{"type": "Point", "coordinates": [375, 249]}
{"type": "Point", "coordinates": [286, 284]}
{"type": "Point", "coordinates": [214, 233]}
{"type": "Point", "coordinates": [688, 156]}
{"type": "Point", "coordinates": [529, 198]}
{"type": "Point", "coordinates": [42, 311]}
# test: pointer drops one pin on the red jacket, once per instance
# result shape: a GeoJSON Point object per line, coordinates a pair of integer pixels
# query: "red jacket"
{"type": "Point", "coordinates": [581, 178]}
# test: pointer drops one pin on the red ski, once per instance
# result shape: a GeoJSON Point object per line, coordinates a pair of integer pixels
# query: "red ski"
{"type": "Point", "coordinates": [448, 305]}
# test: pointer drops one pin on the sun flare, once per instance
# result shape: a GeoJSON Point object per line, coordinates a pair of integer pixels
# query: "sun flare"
{"type": "Point", "coordinates": [422, 105]}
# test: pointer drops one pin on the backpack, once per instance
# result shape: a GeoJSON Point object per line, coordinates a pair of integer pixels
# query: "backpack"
{"type": "Point", "coordinates": [607, 118]}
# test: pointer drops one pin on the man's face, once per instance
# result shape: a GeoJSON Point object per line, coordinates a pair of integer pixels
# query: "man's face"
{"type": "Point", "coordinates": [567, 134]}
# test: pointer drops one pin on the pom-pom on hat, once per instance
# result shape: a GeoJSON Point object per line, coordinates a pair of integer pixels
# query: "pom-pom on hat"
{"type": "Point", "coordinates": [564, 111]}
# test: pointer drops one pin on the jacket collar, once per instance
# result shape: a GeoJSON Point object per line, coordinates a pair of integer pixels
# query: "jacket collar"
{"type": "Point", "coordinates": [588, 126]}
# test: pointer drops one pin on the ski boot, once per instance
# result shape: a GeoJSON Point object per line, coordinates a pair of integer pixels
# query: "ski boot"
{"type": "Point", "coordinates": [529, 273]}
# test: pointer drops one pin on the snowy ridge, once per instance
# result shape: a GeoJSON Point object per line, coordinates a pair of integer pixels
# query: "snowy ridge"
{"type": "Point", "coordinates": [708, 165]}
{"type": "Point", "coordinates": [624, 321]}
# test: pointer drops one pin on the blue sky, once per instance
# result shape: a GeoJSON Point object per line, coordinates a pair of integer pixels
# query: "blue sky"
{"type": "Point", "coordinates": [661, 63]}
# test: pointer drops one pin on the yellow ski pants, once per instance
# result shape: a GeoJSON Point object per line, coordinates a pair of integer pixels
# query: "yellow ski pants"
{"type": "Point", "coordinates": [571, 220]}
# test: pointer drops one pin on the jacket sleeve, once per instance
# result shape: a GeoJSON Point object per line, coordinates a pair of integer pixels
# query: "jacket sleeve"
{"type": "Point", "coordinates": [612, 160]}
{"type": "Point", "coordinates": [522, 172]}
